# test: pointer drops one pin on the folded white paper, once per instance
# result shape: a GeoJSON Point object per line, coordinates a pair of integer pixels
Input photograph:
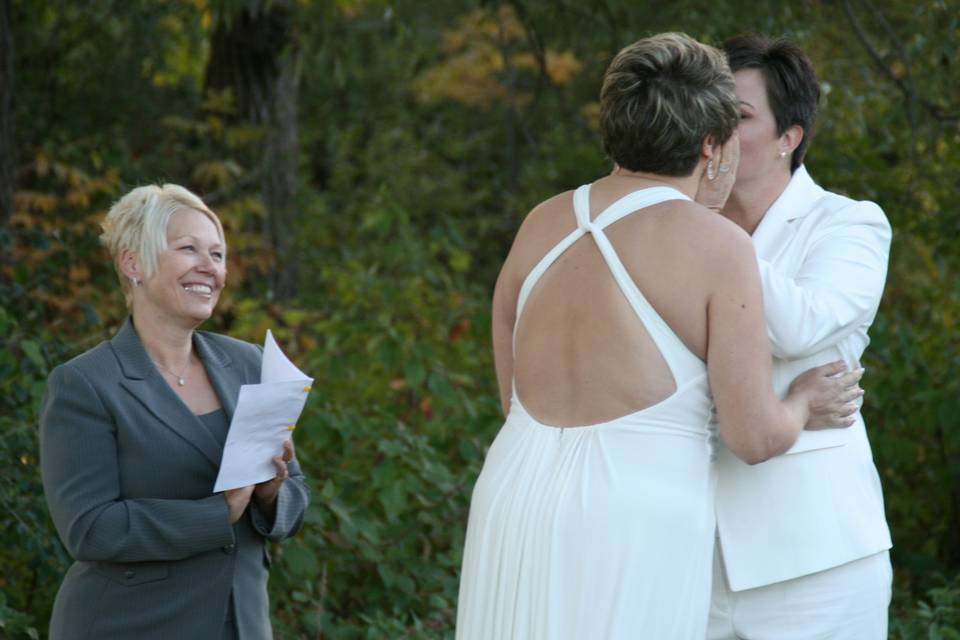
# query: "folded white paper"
{"type": "Point", "coordinates": [265, 416]}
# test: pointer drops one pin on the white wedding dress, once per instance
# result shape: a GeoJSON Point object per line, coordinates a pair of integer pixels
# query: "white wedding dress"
{"type": "Point", "coordinates": [599, 532]}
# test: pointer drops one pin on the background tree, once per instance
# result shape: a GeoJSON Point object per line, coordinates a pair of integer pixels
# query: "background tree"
{"type": "Point", "coordinates": [255, 55]}
{"type": "Point", "coordinates": [7, 155]}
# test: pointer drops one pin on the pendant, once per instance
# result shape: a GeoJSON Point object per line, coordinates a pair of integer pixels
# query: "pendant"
{"type": "Point", "coordinates": [181, 381]}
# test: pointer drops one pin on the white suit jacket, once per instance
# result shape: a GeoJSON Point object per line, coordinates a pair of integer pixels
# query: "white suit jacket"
{"type": "Point", "coordinates": [823, 263]}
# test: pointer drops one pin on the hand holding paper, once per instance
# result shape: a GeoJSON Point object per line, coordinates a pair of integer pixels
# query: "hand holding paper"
{"type": "Point", "coordinates": [265, 416]}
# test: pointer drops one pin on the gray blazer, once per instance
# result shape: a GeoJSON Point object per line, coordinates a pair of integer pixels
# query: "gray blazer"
{"type": "Point", "coordinates": [128, 472]}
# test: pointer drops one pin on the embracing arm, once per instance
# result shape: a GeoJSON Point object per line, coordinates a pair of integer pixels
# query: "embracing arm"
{"type": "Point", "coordinates": [79, 463]}
{"type": "Point", "coordinates": [754, 423]}
{"type": "Point", "coordinates": [838, 287]}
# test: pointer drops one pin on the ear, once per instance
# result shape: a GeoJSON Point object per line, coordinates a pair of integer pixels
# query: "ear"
{"type": "Point", "coordinates": [791, 139]}
{"type": "Point", "coordinates": [708, 147]}
{"type": "Point", "coordinates": [129, 265]}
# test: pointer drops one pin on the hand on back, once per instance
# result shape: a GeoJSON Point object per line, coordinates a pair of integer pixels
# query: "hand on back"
{"type": "Point", "coordinates": [830, 392]}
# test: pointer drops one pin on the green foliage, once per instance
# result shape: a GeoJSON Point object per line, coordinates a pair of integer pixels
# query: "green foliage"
{"type": "Point", "coordinates": [936, 617]}
{"type": "Point", "coordinates": [412, 186]}
{"type": "Point", "coordinates": [30, 552]}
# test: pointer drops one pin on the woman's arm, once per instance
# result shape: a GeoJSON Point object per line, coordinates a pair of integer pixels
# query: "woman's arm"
{"type": "Point", "coordinates": [79, 463]}
{"type": "Point", "coordinates": [838, 287]}
{"type": "Point", "coordinates": [504, 316]}
{"type": "Point", "coordinates": [754, 423]}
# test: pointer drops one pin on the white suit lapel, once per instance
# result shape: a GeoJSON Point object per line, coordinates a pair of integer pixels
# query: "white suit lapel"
{"type": "Point", "coordinates": [777, 226]}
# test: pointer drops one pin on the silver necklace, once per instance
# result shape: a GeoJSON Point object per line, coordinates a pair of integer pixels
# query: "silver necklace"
{"type": "Point", "coordinates": [180, 379]}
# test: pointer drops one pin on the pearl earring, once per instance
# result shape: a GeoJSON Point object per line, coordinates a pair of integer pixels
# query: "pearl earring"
{"type": "Point", "coordinates": [711, 174]}
{"type": "Point", "coordinates": [783, 154]}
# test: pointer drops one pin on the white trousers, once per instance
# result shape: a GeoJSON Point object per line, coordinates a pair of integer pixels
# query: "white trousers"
{"type": "Point", "coordinates": [848, 602]}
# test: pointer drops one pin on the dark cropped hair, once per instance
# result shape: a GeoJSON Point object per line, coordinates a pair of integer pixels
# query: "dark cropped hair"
{"type": "Point", "coordinates": [792, 87]}
{"type": "Point", "coordinates": [661, 97]}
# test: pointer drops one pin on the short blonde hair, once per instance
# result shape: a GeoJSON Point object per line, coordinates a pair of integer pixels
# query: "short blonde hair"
{"type": "Point", "coordinates": [661, 97]}
{"type": "Point", "coordinates": [138, 223]}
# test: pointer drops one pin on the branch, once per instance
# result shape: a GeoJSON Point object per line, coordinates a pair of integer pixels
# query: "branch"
{"type": "Point", "coordinates": [907, 87]}
{"type": "Point", "coordinates": [536, 44]}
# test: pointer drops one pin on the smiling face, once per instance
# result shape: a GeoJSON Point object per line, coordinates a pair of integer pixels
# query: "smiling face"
{"type": "Point", "coordinates": [760, 146]}
{"type": "Point", "coordinates": [190, 272]}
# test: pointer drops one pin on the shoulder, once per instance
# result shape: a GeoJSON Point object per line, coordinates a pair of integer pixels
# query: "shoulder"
{"type": "Point", "coordinates": [711, 235]}
{"type": "Point", "coordinates": [543, 228]}
{"type": "Point", "coordinates": [549, 212]}
{"type": "Point", "coordinates": [838, 209]}
{"type": "Point", "coordinates": [723, 253]}
{"type": "Point", "coordinates": [84, 380]}
{"type": "Point", "coordinates": [94, 364]}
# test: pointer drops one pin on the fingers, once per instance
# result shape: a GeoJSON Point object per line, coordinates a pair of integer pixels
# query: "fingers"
{"type": "Point", "coordinates": [730, 153]}
{"type": "Point", "coordinates": [845, 404]}
{"type": "Point", "coordinates": [848, 410]}
{"type": "Point", "coordinates": [240, 491]}
{"type": "Point", "coordinates": [831, 369]}
{"type": "Point", "coordinates": [842, 421]}
{"type": "Point", "coordinates": [281, 466]}
{"type": "Point", "coordinates": [237, 500]}
{"type": "Point", "coordinates": [851, 394]}
{"type": "Point", "coordinates": [837, 394]}
{"type": "Point", "coordinates": [844, 417]}
{"type": "Point", "coordinates": [851, 378]}
{"type": "Point", "coordinates": [280, 463]}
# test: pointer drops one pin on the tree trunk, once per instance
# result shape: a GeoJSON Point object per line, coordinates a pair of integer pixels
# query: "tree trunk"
{"type": "Point", "coordinates": [281, 153]}
{"type": "Point", "coordinates": [7, 155]}
{"type": "Point", "coordinates": [255, 53]}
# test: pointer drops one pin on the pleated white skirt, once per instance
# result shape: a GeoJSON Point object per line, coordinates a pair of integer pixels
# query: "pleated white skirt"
{"type": "Point", "coordinates": [598, 532]}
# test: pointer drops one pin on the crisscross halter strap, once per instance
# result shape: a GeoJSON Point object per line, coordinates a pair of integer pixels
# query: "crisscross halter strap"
{"type": "Point", "coordinates": [683, 364]}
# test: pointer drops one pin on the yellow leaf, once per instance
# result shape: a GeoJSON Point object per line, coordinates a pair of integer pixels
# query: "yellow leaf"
{"type": "Point", "coordinates": [562, 67]}
{"type": "Point", "coordinates": [591, 113]}
{"type": "Point", "coordinates": [35, 202]}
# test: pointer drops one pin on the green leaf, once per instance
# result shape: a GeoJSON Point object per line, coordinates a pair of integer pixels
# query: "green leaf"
{"type": "Point", "coordinates": [301, 560]}
{"type": "Point", "coordinates": [32, 350]}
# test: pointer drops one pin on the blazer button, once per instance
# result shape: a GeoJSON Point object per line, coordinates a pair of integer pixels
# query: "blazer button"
{"type": "Point", "coordinates": [129, 574]}
{"type": "Point", "coordinates": [229, 549]}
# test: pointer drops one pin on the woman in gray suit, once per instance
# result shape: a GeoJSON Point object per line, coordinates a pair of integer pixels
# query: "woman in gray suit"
{"type": "Point", "coordinates": [131, 436]}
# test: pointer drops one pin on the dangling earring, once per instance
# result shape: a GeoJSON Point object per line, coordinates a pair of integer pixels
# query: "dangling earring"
{"type": "Point", "coordinates": [711, 174]}
{"type": "Point", "coordinates": [134, 281]}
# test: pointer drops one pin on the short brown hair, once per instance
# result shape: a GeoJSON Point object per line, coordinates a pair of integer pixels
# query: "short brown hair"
{"type": "Point", "coordinates": [792, 87]}
{"type": "Point", "coordinates": [661, 97]}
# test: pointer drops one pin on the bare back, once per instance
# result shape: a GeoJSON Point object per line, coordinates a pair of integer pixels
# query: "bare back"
{"type": "Point", "coordinates": [581, 353]}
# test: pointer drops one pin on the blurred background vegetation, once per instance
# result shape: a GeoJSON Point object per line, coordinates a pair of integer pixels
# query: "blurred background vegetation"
{"type": "Point", "coordinates": [371, 160]}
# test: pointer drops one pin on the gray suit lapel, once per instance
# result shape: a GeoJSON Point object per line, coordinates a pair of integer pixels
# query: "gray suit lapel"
{"type": "Point", "coordinates": [225, 377]}
{"type": "Point", "coordinates": [147, 386]}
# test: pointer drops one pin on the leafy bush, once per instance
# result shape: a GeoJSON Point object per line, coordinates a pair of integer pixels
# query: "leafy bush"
{"type": "Point", "coordinates": [30, 551]}
{"type": "Point", "coordinates": [936, 617]}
